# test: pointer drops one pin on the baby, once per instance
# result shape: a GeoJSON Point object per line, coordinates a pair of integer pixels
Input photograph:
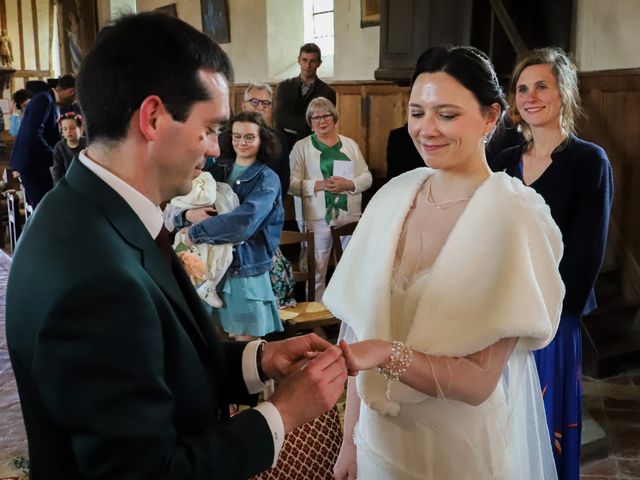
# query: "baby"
{"type": "Point", "coordinates": [215, 259]}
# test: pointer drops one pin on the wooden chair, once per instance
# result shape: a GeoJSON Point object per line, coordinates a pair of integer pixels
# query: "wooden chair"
{"type": "Point", "coordinates": [336, 234]}
{"type": "Point", "coordinates": [14, 218]}
{"type": "Point", "coordinates": [311, 315]}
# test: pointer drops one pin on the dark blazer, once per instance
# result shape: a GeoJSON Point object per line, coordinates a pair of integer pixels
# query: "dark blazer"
{"type": "Point", "coordinates": [290, 106]}
{"type": "Point", "coordinates": [119, 369]}
{"type": "Point", "coordinates": [33, 151]}
{"type": "Point", "coordinates": [402, 154]}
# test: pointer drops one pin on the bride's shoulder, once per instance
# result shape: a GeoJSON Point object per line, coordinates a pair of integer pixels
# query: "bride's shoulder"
{"type": "Point", "coordinates": [511, 189]}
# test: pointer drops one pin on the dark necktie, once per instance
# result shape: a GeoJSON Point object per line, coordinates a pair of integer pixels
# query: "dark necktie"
{"type": "Point", "coordinates": [164, 243]}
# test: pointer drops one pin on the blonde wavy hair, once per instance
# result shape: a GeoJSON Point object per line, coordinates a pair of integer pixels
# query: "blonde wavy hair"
{"type": "Point", "coordinates": [566, 76]}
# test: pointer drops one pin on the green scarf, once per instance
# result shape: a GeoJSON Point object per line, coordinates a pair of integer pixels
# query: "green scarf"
{"type": "Point", "coordinates": [333, 201]}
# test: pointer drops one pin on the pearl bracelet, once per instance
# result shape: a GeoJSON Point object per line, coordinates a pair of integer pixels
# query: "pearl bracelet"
{"type": "Point", "coordinates": [399, 361]}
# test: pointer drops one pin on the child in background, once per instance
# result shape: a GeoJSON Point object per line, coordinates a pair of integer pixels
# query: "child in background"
{"type": "Point", "coordinates": [71, 144]}
{"type": "Point", "coordinates": [19, 101]}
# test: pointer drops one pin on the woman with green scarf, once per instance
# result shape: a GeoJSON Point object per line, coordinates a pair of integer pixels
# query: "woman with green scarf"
{"type": "Point", "coordinates": [328, 176]}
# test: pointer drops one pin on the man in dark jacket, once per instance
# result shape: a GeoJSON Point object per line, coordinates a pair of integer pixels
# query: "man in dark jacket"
{"type": "Point", "coordinates": [32, 154]}
{"type": "Point", "coordinates": [119, 368]}
{"type": "Point", "coordinates": [294, 94]}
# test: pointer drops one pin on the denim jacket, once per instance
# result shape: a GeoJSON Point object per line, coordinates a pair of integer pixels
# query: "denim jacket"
{"type": "Point", "coordinates": [254, 226]}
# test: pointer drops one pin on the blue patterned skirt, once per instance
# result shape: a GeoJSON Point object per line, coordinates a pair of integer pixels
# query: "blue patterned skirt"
{"type": "Point", "coordinates": [249, 306]}
{"type": "Point", "coordinates": [560, 371]}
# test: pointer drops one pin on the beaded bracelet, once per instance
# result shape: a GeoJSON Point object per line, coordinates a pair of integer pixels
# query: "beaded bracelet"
{"type": "Point", "coordinates": [399, 361]}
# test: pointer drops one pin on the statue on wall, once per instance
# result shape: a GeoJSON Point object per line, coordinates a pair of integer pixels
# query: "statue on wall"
{"type": "Point", "coordinates": [78, 28]}
{"type": "Point", "coordinates": [73, 34]}
{"type": "Point", "coordinates": [6, 51]}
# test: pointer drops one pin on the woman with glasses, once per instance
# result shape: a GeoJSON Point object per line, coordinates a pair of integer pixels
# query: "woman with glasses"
{"type": "Point", "coordinates": [254, 227]}
{"type": "Point", "coordinates": [328, 176]}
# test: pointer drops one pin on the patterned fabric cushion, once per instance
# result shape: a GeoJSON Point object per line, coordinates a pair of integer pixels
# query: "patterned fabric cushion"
{"type": "Point", "coordinates": [310, 451]}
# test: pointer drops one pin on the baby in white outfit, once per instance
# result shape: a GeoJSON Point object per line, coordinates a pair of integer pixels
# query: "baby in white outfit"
{"type": "Point", "coordinates": [206, 192]}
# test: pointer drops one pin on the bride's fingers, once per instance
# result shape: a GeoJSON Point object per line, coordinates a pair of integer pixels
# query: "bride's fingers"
{"type": "Point", "coordinates": [350, 359]}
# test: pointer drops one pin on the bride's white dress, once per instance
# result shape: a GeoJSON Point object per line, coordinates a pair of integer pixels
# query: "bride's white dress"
{"type": "Point", "coordinates": [447, 439]}
{"type": "Point", "coordinates": [505, 437]}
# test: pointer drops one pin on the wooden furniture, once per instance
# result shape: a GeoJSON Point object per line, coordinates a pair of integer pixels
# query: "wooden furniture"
{"type": "Point", "coordinates": [309, 315]}
{"type": "Point", "coordinates": [409, 27]}
{"type": "Point", "coordinates": [14, 218]}
{"type": "Point", "coordinates": [336, 234]}
{"type": "Point", "coordinates": [611, 334]}
{"type": "Point", "coordinates": [501, 28]}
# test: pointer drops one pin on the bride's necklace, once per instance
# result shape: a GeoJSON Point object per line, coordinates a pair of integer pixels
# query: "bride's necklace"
{"type": "Point", "coordinates": [443, 205]}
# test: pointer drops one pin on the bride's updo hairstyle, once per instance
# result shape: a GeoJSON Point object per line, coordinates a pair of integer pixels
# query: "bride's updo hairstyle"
{"type": "Point", "coordinates": [469, 66]}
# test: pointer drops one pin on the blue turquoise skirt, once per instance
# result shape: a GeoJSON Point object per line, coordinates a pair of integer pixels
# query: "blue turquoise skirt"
{"type": "Point", "coordinates": [560, 371]}
{"type": "Point", "coordinates": [249, 306]}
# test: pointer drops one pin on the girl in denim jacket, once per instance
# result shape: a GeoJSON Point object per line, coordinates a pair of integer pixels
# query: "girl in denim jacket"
{"type": "Point", "coordinates": [254, 228]}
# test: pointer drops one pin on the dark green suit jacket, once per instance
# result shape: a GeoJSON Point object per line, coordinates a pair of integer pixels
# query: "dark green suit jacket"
{"type": "Point", "coordinates": [118, 366]}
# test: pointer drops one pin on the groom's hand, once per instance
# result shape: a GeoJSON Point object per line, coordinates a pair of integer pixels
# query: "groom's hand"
{"type": "Point", "coordinates": [279, 359]}
{"type": "Point", "coordinates": [310, 390]}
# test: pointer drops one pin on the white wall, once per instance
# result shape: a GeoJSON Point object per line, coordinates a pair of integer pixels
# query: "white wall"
{"type": "Point", "coordinates": [248, 47]}
{"type": "Point", "coordinates": [267, 34]}
{"type": "Point", "coordinates": [119, 7]}
{"type": "Point", "coordinates": [188, 10]}
{"type": "Point", "coordinates": [285, 35]}
{"type": "Point", "coordinates": [607, 34]}
{"type": "Point", "coordinates": [357, 49]}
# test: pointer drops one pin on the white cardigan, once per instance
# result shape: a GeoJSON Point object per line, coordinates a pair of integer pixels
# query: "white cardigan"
{"type": "Point", "coordinates": [305, 171]}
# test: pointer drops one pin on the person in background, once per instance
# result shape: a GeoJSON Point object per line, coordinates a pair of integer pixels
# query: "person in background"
{"type": "Point", "coordinates": [250, 310]}
{"type": "Point", "coordinates": [325, 194]}
{"type": "Point", "coordinates": [19, 101]}
{"type": "Point", "coordinates": [575, 179]}
{"type": "Point", "coordinates": [72, 143]}
{"type": "Point", "coordinates": [294, 94]}
{"type": "Point", "coordinates": [120, 371]}
{"type": "Point", "coordinates": [402, 155]}
{"type": "Point", "coordinates": [36, 86]}
{"type": "Point", "coordinates": [506, 136]}
{"type": "Point", "coordinates": [32, 153]}
{"type": "Point", "coordinates": [258, 98]}
{"type": "Point", "coordinates": [450, 280]}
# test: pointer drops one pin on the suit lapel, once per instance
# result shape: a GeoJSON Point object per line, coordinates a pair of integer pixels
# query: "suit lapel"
{"type": "Point", "coordinates": [134, 233]}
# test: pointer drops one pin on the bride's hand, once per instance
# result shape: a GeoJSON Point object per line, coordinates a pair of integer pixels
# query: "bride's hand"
{"type": "Point", "coordinates": [345, 467]}
{"type": "Point", "coordinates": [365, 355]}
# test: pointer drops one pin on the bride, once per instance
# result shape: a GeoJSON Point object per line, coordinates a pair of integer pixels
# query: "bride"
{"type": "Point", "coordinates": [442, 310]}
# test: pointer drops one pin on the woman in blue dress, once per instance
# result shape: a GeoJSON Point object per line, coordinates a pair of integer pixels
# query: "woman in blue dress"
{"type": "Point", "coordinates": [254, 227]}
{"type": "Point", "coordinates": [574, 177]}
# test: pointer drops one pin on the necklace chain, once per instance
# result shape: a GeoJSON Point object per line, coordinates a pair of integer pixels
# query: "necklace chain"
{"type": "Point", "coordinates": [443, 205]}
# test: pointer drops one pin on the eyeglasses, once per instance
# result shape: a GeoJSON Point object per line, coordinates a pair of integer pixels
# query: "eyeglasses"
{"type": "Point", "coordinates": [248, 138]}
{"type": "Point", "coordinates": [319, 118]}
{"type": "Point", "coordinates": [255, 102]}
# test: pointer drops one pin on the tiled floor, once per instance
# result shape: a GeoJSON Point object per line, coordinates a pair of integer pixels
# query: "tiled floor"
{"type": "Point", "coordinates": [614, 404]}
{"type": "Point", "coordinates": [13, 440]}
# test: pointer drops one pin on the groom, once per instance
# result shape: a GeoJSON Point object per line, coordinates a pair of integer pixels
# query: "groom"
{"type": "Point", "coordinates": [119, 369]}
